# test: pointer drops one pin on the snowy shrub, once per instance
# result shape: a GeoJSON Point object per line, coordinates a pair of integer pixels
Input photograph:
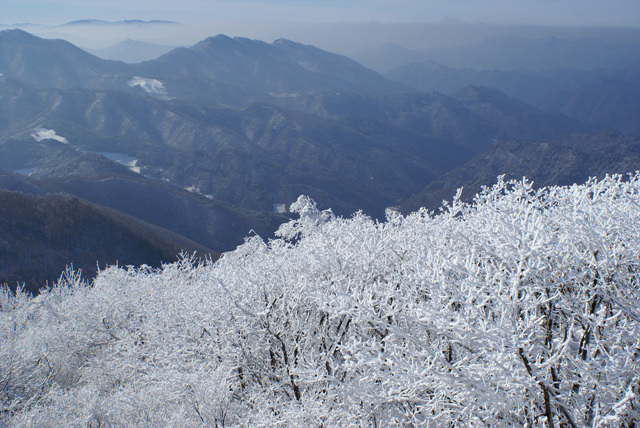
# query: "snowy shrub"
{"type": "Point", "coordinates": [521, 308]}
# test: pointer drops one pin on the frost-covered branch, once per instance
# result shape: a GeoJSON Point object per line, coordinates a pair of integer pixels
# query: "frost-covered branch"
{"type": "Point", "coordinates": [521, 308]}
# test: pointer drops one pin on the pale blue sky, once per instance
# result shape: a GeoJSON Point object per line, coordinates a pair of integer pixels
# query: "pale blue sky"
{"type": "Point", "coordinates": [345, 26]}
{"type": "Point", "coordinates": [552, 12]}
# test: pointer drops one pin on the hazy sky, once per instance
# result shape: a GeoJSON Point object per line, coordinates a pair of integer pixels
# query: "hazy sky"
{"type": "Point", "coordinates": [342, 26]}
{"type": "Point", "coordinates": [564, 12]}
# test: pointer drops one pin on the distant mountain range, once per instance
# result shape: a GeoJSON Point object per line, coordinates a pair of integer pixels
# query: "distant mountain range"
{"type": "Point", "coordinates": [510, 53]}
{"type": "Point", "coordinates": [612, 102]}
{"type": "Point", "coordinates": [95, 22]}
{"type": "Point", "coordinates": [131, 51]}
{"type": "Point", "coordinates": [281, 68]}
{"type": "Point", "coordinates": [248, 68]}
{"type": "Point", "coordinates": [215, 140]}
{"type": "Point", "coordinates": [602, 97]}
{"type": "Point", "coordinates": [52, 63]}
{"type": "Point", "coordinates": [124, 22]}
{"type": "Point", "coordinates": [561, 161]}
{"type": "Point", "coordinates": [593, 80]}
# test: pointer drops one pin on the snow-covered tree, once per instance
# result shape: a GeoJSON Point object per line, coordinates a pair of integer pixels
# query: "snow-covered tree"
{"type": "Point", "coordinates": [521, 308]}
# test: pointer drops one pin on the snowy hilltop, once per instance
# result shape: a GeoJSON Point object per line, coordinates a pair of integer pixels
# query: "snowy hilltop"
{"type": "Point", "coordinates": [519, 309]}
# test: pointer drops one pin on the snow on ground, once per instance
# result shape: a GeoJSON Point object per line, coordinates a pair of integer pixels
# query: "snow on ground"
{"type": "Point", "coordinates": [40, 134]}
{"type": "Point", "coordinates": [150, 86]}
{"type": "Point", "coordinates": [128, 161]}
{"type": "Point", "coordinates": [285, 94]}
{"type": "Point", "coordinates": [25, 171]}
{"type": "Point", "coordinates": [195, 189]}
{"type": "Point", "coordinates": [135, 168]}
{"type": "Point", "coordinates": [280, 208]}
{"type": "Point", "coordinates": [308, 65]}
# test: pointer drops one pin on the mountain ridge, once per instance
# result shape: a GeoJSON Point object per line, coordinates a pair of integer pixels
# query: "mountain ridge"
{"type": "Point", "coordinates": [604, 98]}
{"type": "Point", "coordinates": [42, 234]}
{"type": "Point", "coordinates": [561, 161]}
{"type": "Point", "coordinates": [282, 66]}
{"type": "Point", "coordinates": [123, 22]}
{"type": "Point", "coordinates": [22, 56]}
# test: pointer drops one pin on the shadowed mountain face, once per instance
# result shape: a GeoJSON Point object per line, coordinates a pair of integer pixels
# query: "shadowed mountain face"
{"type": "Point", "coordinates": [210, 223]}
{"type": "Point", "coordinates": [604, 102]}
{"type": "Point", "coordinates": [604, 98]}
{"type": "Point", "coordinates": [561, 161]}
{"type": "Point", "coordinates": [53, 63]}
{"type": "Point", "coordinates": [466, 122]}
{"type": "Point", "coordinates": [40, 234]}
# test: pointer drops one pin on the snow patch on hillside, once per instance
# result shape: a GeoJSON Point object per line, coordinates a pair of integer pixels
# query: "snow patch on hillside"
{"type": "Point", "coordinates": [25, 171]}
{"type": "Point", "coordinates": [308, 65]}
{"type": "Point", "coordinates": [41, 134]}
{"type": "Point", "coordinates": [196, 189]}
{"type": "Point", "coordinates": [279, 208]}
{"type": "Point", "coordinates": [128, 161]}
{"type": "Point", "coordinates": [150, 86]}
{"type": "Point", "coordinates": [285, 94]}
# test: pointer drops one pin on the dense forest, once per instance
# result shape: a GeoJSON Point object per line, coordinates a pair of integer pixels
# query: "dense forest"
{"type": "Point", "coordinates": [519, 308]}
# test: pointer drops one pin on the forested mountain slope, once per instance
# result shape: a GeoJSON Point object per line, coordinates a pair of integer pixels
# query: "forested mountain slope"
{"type": "Point", "coordinates": [561, 161]}
{"type": "Point", "coordinates": [41, 234]}
{"type": "Point", "coordinates": [603, 97]}
{"type": "Point", "coordinates": [346, 150]}
{"type": "Point", "coordinates": [53, 63]}
{"type": "Point", "coordinates": [196, 218]}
